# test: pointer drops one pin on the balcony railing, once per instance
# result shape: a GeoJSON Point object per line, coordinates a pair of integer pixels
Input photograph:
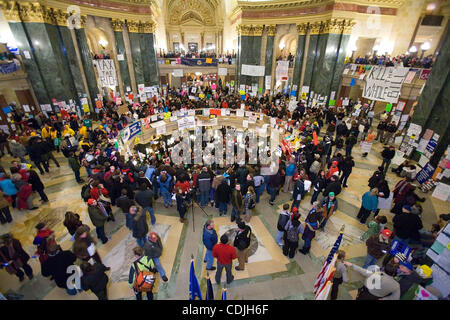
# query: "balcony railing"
{"type": "Point", "coordinates": [196, 61]}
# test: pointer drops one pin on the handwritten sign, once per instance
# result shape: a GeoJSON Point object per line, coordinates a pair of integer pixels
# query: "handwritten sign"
{"type": "Point", "coordinates": [384, 83]}
{"type": "Point", "coordinates": [106, 72]}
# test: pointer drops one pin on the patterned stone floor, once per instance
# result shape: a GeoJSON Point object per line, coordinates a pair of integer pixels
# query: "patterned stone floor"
{"type": "Point", "coordinates": [268, 275]}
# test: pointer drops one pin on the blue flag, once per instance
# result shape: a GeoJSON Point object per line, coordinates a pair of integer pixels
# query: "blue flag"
{"type": "Point", "coordinates": [209, 289]}
{"type": "Point", "coordinates": [335, 247]}
{"type": "Point", "coordinates": [194, 288]}
{"type": "Point", "coordinates": [224, 294]}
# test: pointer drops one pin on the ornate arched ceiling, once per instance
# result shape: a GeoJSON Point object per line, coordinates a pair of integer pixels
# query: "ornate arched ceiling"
{"type": "Point", "coordinates": [203, 11]}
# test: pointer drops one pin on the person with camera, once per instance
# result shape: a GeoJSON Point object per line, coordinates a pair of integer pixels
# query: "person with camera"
{"type": "Point", "coordinates": [242, 243]}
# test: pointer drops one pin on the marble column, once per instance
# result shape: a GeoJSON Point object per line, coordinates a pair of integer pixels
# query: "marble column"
{"type": "Point", "coordinates": [431, 111]}
{"type": "Point", "coordinates": [50, 66]}
{"type": "Point", "coordinates": [87, 62]}
{"type": "Point", "coordinates": [135, 44]}
{"type": "Point", "coordinates": [249, 38]}
{"type": "Point", "coordinates": [301, 28]}
{"type": "Point", "coordinates": [314, 29]}
{"type": "Point", "coordinates": [330, 55]}
{"type": "Point", "coordinates": [149, 60]}
{"type": "Point", "coordinates": [271, 31]}
{"type": "Point", "coordinates": [117, 26]}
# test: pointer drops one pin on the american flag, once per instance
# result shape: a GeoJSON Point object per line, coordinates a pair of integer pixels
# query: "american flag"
{"type": "Point", "coordinates": [328, 266]}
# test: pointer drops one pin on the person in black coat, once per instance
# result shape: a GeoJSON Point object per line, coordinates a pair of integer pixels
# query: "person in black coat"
{"type": "Point", "coordinates": [376, 178]}
{"type": "Point", "coordinates": [36, 152]}
{"type": "Point", "coordinates": [387, 154]}
{"type": "Point", "coordinates": [222, 197]}
{"type": "Point", "coordinates": [37, 185]}
{"type": "Point", "coordinates": [139, 226]}
{"type": "Point", "coordinates": [346, 167]}
{"type": "Point", "coordinates": [15, 258]}
{"type": "Point", "coordinates": [333, 186]}
{"type": "Point", "coordinates": [95, 279]}
{"type": "Point", "coordinates": [56, 266]}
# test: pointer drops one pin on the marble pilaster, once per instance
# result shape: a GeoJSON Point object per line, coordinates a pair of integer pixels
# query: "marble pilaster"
{"type": "Point", "coordinates": [117, 26]}
{"type": "Point", "coordinates": [301, 28]}
{"type": "Point", "coordinates": [250, 39]}
{"type": "Point", "coordinates": [135, 44]}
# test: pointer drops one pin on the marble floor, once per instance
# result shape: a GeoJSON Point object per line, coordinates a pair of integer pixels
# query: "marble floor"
{"type": "Point", "coordinates": [268, 274]}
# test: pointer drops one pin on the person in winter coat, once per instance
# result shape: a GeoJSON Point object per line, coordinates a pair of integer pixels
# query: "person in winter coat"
{"type": "Point", "coordinates": [315, 167]}
{"type": "Point", "coordinates": [18, 151]}
{"type": "Point", "coordinates": [37, 185]}
{"type": "Point", "coordinates": [407, 226]}
{"type": "Point", "coordinates": [339, 276]}
{"type": "Point", "coordinates": [328, 205]}
{"type": "Point", "coordinates": [349, 143]}
{"type": "Point", "coordinates": [5, 213]}
{"type": "Point", "coordinates": [140, 226]}
{"type": "Point", "coordinates": [125, 203]}
{"type": "Point", "coordinates": [312, 224]}
{"type": "Point", "coordinates": [225, 254]}
{"type": "Point", "coordinates": [347, 166]}
{"type": "Point", "coordinates": [242, 243]}
{"type": "Point", "coordinates": [153, 249]}
{"type": "Point", "coordinates": [56, 267]}
{"type": "Point", "coordinates": [380, 130]}
{"type": "Point", "coordinates": [369, 204]}
{"type": "Point", "coordinates": [319, 184]}
{"type": "Point", "coordinates": [298, 193]}
{"type": "Point", "coordinates": [75, 165]}
{"type": "Point", "coordinates": [388, 288]}
{"type": "Point", "coordinates": [24, 199]}
{"type": "Point", "coordinates": [84, 246]}
{"type": "Point", "coordinates": [334, 170]}
{"type": "Point", "coordinates": [290, 171]}
{"type": "Point", "coordinates": [209, 241]}
{"type": "Point", "coordinates": [388, 154]}
{"type": "Point", "coordinates": [14, 258]}
{"type": "Point", "coordinates": [144, 198]}
{"type": "Point", "coordinates": [72, 222]}
{"type": "Point", "coordinates": [98, 219]}
{"type": "Point", "coordinates": [36, 152]}
{"type": "Point", "coordinates": [283, 218]}
{"type": "Point", "coordinates": [143, 263]}
{"type": "Point", "coordinates": [222, 196]}
{"type": "Point", "coordinates": [164, 180]}
{"type": "Point", "coordinates": [8, 188]}
{"type": "Point", "coordinates": [333, 185]}
{"type": "Point", "coordinates": [377, 246]}
{"type": "Point", "coordinates": [237, 202]}
{"type": "Point", "coordinates": [293, 229]}
{"type": "Point", "coordinates": [274, 186]}
{"type": "Point", "coordinates": [204, 185]}
{"type": "Point", "coordinates": [249, 203]}
{"type": "Point", "coordinates": [95, 279]}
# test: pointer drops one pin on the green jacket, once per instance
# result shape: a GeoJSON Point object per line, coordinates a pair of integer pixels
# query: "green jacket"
{"type": "Point", "coordinates": [97, 217]}
{"type": "Point", "coordinates": [74, 164]}
{"type": "Point", "coordinates": [144, 264]}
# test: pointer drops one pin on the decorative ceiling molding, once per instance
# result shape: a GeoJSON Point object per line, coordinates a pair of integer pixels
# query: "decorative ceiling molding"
{"type": "Point", "coordinates": [249, 30]}
{"type": "Point", "coordinates": [271, 30]}
{"type": "Point", "coordinates": [289, 4]}
{"type": "Point", "coordinates": [205, 9]}
{"type": "Point", "coordinates": [302, 28]}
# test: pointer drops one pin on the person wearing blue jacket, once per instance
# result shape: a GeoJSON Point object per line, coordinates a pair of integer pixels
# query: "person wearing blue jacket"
{"type": "Point", "coordinates": [8, 187]}
{"type": "Point", "coordinates": [369, 204]}
{"type": "Point", "coordinates": [164, 180]}
{"type": "Point", "coordinates": [150, 172]}
{"type": "Point", "coordinates": [209, 240]}
{"type": "Point", "coordinates": [290, 171]}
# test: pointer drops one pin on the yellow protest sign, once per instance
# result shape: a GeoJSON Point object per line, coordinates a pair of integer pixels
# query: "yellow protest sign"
{"type": "Point", "coordinates": [86, 108]}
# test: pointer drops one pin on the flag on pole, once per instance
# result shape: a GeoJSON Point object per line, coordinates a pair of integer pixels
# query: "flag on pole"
{"type": "Point", "coordinates": [224, 293]}
{"type": "Point", "coordinates": [194, 287]}
{"type": "Point", "coordinates": [328, 264]}
{"type": "Point", "coordinates": [209, 288]}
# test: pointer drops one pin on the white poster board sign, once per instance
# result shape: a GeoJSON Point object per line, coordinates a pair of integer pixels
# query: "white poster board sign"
{"type": "Point", "coordinates": [186, 123]}
{"type": "Point", "coordinates": [384, 83]}
{"type": "Point", "coordinates": [251, 70]}
{"type": "Point", "coordinates": [106, 72]}
{"type": "Point", "coordinates": [223, 71]}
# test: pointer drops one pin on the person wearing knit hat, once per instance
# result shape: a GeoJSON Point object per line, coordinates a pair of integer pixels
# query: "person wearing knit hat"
{"type": "Point", "coordinates": [407, 276]}
{"type": "Point", "coordinates": [98, 219]}
{"type": "Point", "coordinates": [329, 205]}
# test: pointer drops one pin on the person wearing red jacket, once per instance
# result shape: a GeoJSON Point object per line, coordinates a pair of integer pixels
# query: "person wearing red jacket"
{"type": "Point", "coordinates": [225, 254]}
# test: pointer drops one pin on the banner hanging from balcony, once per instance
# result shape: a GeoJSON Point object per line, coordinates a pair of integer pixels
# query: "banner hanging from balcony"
{"type": "Point", "coordinates": [282, 70]}
{"type": "Point", "coordinates": [250, 70]}
{"type": "Point", "coordinates": [106, 72]}
{"type": "Point", "coordinates": [384, 83]}
{"type": "Point", "coordinates": [208, 62]}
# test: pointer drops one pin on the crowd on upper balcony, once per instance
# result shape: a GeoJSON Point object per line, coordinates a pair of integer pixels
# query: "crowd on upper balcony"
{"type": "Point", "coordinates": [399, 60]}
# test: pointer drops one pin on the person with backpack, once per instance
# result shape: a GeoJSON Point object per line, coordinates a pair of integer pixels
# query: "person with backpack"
{"type": "Point", "coordinates": [142, 274]}
{"type": "Point", "coordinates": [249, 203]}
{"type": "Point", "coordinates": [293, 229]}
{"type": "Point", "coordinates": [125, 203]}
{"type": "Point", "coordinates": [283, 218]}
{"type": "Point", "coordinates": [242, 243]}
{"type": "Point", "coordinates": [209, 241]}
{"type": "Point", "coordinates": [299, 191]}
{"type": "Point", "coordinates": [153, 249]}
{"type": "Point", "coordinates": [312, 224]}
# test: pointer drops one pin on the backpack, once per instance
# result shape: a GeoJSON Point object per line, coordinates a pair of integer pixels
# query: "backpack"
{"type": "Point", "coordinates": [292, 233]}
{"type": "Point", "coordinates": [144, 280]}
{"type": "Point", "coordinates": [252, 203]}
{"type": "Point", "coordinates": [86, 192]}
